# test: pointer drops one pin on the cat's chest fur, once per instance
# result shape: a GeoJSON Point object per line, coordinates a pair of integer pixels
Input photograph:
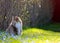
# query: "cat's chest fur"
{"type": "Point", "coordinates": [18, 24]}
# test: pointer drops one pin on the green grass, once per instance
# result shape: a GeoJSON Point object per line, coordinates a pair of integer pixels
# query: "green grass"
{"type": "Point", "coordinates": [52, 26]}
{"type": "Point", "coordinates": [34, 35]}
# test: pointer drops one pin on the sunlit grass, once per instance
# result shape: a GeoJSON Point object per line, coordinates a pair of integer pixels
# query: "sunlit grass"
{"type": "Point", "coordinates": [33, 35]}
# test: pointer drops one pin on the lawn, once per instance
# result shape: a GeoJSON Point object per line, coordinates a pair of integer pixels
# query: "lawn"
{"type": "Point", "coordinates": [34, 35]}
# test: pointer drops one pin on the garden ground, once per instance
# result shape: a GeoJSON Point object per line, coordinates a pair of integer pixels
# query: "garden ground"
{"type": "Point", "coordinates": [46, 34]}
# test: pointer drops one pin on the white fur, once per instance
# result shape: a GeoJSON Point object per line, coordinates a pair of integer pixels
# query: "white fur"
{"type": "Point", "coordinates": [19, 27]}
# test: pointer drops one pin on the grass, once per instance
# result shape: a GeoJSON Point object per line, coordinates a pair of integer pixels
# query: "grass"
{"type": "Point", "coordinates": [34, 35]}
{"type": "Point", "coordinates": [52, 26]}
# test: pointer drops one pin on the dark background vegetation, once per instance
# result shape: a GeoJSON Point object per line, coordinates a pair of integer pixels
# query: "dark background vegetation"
{"type": "Point", "coordinates": [34, 13]}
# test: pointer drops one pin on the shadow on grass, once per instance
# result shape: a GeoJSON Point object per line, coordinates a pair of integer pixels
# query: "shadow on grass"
{"type": "Point", "coordinates": [52, 26]}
